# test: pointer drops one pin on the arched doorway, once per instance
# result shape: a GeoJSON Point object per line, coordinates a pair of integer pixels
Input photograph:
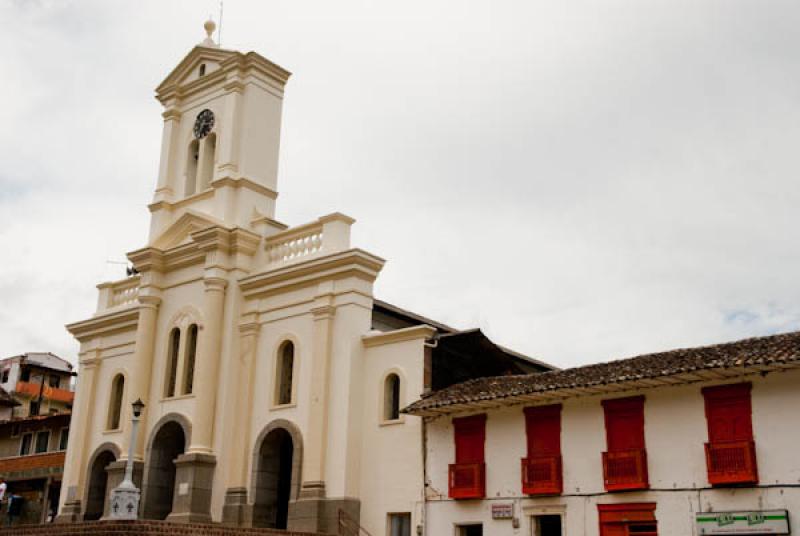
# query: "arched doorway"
{"type": "Point", "coordinates": [167, 444]}
{"type": "Point", "coordinates": [97, 494]}
{"type": "Point", "coordinates": [273, 480]}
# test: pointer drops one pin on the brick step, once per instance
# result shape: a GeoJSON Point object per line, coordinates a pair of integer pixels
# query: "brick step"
{"type": "Point", "coordinates": [144, 527]}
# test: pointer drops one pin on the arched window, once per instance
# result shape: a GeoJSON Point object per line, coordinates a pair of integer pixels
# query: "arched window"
{"type": "Point", "coordinates": [391, 397]}
{"type": "Point", "coordinates": [172, 362]}
{"type": "Point", "coordinates": [115, 404]}
{"type": "Point", "coordinates": [285, 373]}
{"type": "Point", "coordinates": [191, 352]}
{"type": "Point", "coordinates": [192, 160]}
{"type": "Point", "coordinates": [202, 70]}
{"type": "Point", "coordinates": [207, 165]}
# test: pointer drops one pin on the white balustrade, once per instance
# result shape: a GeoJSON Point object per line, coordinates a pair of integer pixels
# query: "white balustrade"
{"type": "Point", "coordinates": [327, 235]}
{"type": "Point", "coordinates": [118, 293]}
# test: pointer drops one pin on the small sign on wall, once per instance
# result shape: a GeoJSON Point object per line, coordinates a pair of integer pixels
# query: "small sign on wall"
{"type": "Point", "coordinates": [755, 522]}
{"type": "Point", "coordinates": [502, 510]}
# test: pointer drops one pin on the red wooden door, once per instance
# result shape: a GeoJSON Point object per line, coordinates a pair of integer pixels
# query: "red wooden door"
{"type": "Point", "coordinates": [624, 423]}
{"type": "Point", "coordinates": [470, 436]}
{"type": "Point", "coordinates": [543, 428]}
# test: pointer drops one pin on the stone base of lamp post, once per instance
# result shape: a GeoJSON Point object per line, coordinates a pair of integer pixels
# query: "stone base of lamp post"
{"type": "Point", "coordinates": [124, 502]}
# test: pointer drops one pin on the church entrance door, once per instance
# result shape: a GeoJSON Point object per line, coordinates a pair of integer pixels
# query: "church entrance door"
{"type": "Point", "coordinates": [168, 443]}
{"type": "Point", "coordinates": [273, 480]}
{"type": "Point", "coordinates": [98, 486]}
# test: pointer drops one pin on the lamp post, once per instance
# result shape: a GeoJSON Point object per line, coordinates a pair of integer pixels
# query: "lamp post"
{"type": "Point", "coordinates": [125, 497]}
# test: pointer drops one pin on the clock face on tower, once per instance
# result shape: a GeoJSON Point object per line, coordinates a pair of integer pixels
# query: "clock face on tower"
{"type": "Point", "coordinates": [203, 124]}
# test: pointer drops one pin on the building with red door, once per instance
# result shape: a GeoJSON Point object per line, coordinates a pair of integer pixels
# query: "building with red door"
{"type": "Point", "coordinates": [697, 441]}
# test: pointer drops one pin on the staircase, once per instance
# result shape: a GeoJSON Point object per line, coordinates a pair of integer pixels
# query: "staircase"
{"type": "Point", "coordinates": [349, 526]}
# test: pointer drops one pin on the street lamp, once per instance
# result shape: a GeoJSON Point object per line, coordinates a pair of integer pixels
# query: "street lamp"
{"type": "Point", "coordinates": [125, 497]}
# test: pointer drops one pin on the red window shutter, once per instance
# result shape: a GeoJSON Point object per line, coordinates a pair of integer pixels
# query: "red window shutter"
{"type": "Point", "coordinates": [730, 451]}
{"type": "Point", "coordinates": [541, 469]}
{"type": "Point", "coordinates": [625, 461]}
{"type": "Point", "coordinates": [728, 412]}
{"type": "Point", "coordinates": [470, 437]}
{"type": "Point", "coordinates": [624, 423]}
{"type": "Point", "coordinates": [467, 477]}
{"type": "Point", "coordinates": [543, 429]}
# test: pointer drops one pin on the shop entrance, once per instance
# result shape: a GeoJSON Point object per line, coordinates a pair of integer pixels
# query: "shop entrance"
{"type": "Point", "coordinates": [546, 525]}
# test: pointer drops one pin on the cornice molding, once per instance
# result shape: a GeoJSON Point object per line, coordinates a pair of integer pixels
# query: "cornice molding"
{"type": "Point", "coordinates": [323, 312]}
{"type": "Point", "coordinates": [413, 333]}
{"type": "Point", "coordinates": [114, 322]}
{"type": "Point", "coordinates": [244, 182]}
{"type": "Point", "coordinates": [146, 259]}
{"type": "Point", "coordinates": [353, 262]}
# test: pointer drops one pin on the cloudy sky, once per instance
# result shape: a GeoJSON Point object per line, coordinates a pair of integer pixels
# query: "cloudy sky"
{"type": "Point", "coordinates": [583, 180]}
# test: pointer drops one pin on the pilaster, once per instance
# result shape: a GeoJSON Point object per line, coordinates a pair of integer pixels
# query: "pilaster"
{"type": "Point", "coordinates": [207, 367]}
{"type": "Point", "coordinates": [142, 364]}
{"type": "Point", "coordinates": [77, 457]}
{"type": "Point", "coordinates": [166, 186]}
{"type": "Point", "coordinates": [314, 457]}
{"type": "Point", "coordinates": [236, 511]}
{"type": "Point", "coordinates": [231, 126]}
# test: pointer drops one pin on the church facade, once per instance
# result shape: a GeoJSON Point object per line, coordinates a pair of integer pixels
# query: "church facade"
{"type": "Point", "coordinates": [273, 379]}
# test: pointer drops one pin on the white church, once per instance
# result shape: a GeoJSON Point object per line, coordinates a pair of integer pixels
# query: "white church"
{"type": "Point", "coordinates": [272, 378]}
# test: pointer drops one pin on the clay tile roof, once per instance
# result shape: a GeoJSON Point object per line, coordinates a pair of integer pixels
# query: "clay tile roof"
{"type": "Point", "coordinates": [770, 351]}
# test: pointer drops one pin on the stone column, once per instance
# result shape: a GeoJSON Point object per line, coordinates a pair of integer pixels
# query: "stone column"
{"type": "Point", "coordinates": [141, 375]}
{"type": "Point", "coordinates": [207, 366]}
{"type": "Point", "coordinates": [237, 511]}
{"type": "Point", "coordinates": [80, 432]}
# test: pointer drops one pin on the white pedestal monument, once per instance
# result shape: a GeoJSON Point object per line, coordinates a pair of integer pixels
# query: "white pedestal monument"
{"type": "Point", "coordinates": [125, 497]}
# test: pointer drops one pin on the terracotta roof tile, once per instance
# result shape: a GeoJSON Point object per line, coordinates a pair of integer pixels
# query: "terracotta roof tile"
{"type": "Point", "coordinates": [770, 350]}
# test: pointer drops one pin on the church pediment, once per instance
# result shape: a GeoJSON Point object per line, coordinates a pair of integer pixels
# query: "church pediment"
{"type": "Point", "coordinates": [180, 232]}
{"type": "Point", "coordinates": [188, 70]}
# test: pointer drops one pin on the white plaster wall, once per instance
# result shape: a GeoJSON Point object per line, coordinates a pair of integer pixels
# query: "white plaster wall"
{"type": "Point", "coordinates": [391, 459]}
{"type": "Point", "coordinates": [260, 134]}
{"type": "Point", "coordinates": [675, 431]}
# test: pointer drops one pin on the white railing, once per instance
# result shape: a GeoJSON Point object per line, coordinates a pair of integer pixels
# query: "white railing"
{"type": "Point", "coordinates": [327, 235]}
{"type": "Point", "coordinates": [118, 293]}
{"type": "Point", "coordinates": [298, 245]}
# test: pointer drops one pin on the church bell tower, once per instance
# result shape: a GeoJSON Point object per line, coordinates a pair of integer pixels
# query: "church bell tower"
{"type": "Point", "coordinates": [221, 138]}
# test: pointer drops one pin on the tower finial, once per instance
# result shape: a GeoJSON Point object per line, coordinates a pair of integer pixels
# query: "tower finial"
{"type": "Point", "coordinates": [209, 26]}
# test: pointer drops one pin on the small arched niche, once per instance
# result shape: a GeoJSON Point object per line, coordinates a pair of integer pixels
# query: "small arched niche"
{"type": "Point", "coordinates": [115, 402]}
{"type": "Point", "coordinates": [192, 163]}
{"type": "Point", "coordinates": [391, 397]}
{"type": "Point", "coordinates": [171, 376]}
{"type": "Point", "coordinates": [208, 159]}
{"type": "Point", "coordinates": [285, 374]}
{"type": "Point", "coordinates": [191, 355]}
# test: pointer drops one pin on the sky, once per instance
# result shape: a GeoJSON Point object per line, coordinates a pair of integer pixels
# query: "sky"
{"type": "Point", "coordinates": [582, 180]}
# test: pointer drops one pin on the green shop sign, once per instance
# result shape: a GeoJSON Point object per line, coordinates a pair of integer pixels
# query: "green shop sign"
{"type": "Point", "coordinates": [756, 522]}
